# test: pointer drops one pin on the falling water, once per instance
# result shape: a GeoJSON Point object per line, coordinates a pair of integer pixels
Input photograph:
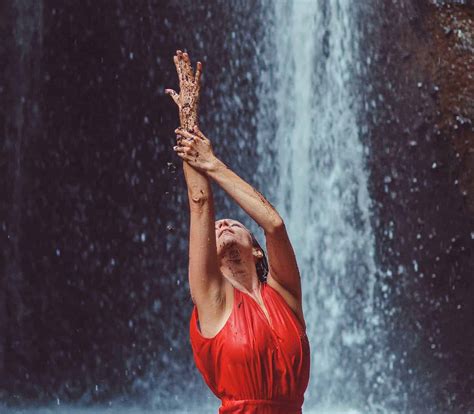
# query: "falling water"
{"type": "Point", "coordinates": [320, 182]}
{"type": "Point", "coordinates": [312, 168]}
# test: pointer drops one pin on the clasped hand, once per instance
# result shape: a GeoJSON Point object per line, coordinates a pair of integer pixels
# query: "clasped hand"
{"type": "Point", "coordinates": [195, 148]}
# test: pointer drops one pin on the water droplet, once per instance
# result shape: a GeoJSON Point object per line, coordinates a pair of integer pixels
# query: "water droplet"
{"type": "Point", "coordinates": [171, 167]}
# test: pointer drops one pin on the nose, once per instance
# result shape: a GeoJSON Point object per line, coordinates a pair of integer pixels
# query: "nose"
{"type": "Point", "coordinates": [222, 222]}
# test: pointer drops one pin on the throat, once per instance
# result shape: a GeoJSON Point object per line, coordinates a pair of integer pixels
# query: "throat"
{"type": "Point", "coordinates": [234, 256]}
{"type": "Point", "coordinates": [239, 268]}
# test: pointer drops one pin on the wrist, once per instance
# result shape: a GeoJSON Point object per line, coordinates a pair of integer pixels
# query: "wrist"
{"type": "Point", "coordinates": [215, 166]}
{"type": "Point", "coordinates": [188, 118]}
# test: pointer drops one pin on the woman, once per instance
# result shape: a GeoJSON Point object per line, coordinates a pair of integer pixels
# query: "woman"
{"type": "Point", "coordinates": [247, 328]}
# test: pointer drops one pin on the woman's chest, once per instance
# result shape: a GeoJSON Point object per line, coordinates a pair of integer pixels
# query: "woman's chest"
{"type": "Point", "coordinates": [254, 334]}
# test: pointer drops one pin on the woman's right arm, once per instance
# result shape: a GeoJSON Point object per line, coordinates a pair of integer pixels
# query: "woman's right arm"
{"type": "Point", "coordinates": [205, 278]}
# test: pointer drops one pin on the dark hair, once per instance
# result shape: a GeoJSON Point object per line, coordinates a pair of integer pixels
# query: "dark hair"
{"type": "Point", "coordinates": [262, 264]}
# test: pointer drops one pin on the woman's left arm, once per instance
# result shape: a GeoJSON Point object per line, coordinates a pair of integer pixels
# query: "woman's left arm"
{"type": "Point", "coordinates": [281, 257]}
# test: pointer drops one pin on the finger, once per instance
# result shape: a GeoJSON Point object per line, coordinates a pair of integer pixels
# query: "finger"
{"type": "Point", "coordinates": [184, 133]}
{"type": "Point", "coordinates": [182, 65]}
{"type": "Point", "coordinates": [187, 66]}
{"type": "Point", "coordinates": [197, 78]}
{"type": "Point", "coordinates": [184, 142]}
{"type": "Point", "coordinates": [178, 67]}
{"type": "Point", "coordinates": [187, 153]}
{"type": "Point", "coordinates": [173, 94]}
{"type": "Point", "coordinates": [181, 155]}
{"type": "Point", "coordinates": [179, 149]}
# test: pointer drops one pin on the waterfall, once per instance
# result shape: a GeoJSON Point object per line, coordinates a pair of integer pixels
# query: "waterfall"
{"type": "Point", "coordinates": [319, 180]}
{"type": "Point", "coordinates": [304, 60]}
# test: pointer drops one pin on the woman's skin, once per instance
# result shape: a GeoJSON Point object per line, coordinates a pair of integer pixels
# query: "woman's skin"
{"type": "Point", "coordinates": [221, 260]}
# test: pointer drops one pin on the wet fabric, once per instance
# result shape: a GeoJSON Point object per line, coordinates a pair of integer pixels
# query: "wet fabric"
{"type": "Point", "coordinates": [255, 366]}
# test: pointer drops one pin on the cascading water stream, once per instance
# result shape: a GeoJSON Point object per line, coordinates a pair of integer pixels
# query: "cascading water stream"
{"type": "Point", "coordinates": [312, 167]}
{"type": "Point", "coordinates": [321, 188]}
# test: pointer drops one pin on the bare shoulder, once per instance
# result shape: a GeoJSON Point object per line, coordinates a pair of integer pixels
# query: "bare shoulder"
{"type": "Point", "coordinates": [295, 304]}
{"type": "Point", "coordinates": [214, 313]}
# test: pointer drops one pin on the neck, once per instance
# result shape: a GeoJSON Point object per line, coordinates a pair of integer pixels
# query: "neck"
{"type": "Point", "coordinates": [240, 270]}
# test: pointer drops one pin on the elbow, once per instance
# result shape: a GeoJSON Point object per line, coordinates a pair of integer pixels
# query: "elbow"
{"type": "Point", "coordinates": [276, 225]}
{"type": "Point", "coordinates": [199, 205]}
{"type": "Point", "coordinates": [197, 201]}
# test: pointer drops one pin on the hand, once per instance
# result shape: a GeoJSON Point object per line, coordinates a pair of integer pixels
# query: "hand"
{"type": "Point", "coordinates": [189, 89]}
{"type": "Point", "coordinates": [195, 149]}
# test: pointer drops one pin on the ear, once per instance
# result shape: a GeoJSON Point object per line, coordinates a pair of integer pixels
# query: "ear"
{"type": "Point", "coordinates": [257, 252]}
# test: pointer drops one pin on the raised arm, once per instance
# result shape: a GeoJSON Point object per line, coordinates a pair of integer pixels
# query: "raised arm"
{"type": "Point", "coordinates": [283, 267]}
{"type": "Point", "coordinates": [205, 279]}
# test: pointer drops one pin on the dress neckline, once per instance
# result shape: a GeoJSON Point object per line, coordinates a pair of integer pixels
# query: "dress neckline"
{"type": "Point", "coordinates": [262, 294]}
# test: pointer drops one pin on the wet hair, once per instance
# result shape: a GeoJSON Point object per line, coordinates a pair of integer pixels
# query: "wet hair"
{"type": "Point", "coordinates": [262, 264]}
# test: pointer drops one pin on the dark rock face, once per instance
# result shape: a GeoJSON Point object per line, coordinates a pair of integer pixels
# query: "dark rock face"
{"type": "Point", "coordinates": [419, 109]}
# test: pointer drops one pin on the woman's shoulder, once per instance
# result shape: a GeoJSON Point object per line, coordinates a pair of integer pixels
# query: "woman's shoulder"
{"type": "Point", "coordinates": [293, 303]}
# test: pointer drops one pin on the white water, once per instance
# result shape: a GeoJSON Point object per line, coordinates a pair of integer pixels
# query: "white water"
{"type": "Point", "coordinates": [319, 180]}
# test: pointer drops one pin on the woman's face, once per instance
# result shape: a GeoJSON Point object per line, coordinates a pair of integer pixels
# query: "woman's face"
{"type": "Point", "coordinates": [232, 232]}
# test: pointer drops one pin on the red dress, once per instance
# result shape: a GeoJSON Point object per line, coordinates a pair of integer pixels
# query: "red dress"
{"type": "Point", "coordinates": [253, 366]}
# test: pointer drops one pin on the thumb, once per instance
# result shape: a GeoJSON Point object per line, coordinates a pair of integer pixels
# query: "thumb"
{"type": "Point", "coordinates": [173, 94]}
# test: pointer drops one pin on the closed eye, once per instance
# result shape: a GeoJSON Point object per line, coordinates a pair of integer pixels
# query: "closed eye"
{"type": "Point", "coordinates": [232, 225]}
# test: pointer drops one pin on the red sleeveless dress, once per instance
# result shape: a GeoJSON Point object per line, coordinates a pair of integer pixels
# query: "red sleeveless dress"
{"type": "Point", "coordinates": [253, 366]}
